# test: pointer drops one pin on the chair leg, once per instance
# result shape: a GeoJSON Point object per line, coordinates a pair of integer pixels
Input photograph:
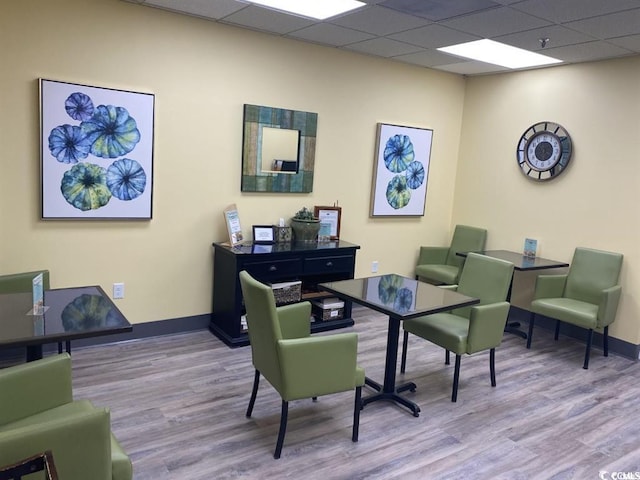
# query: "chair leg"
{"type": "Point", "coordinates": [254, 392]}
{"type": "Point", "coordinates": [68, 346]}
{"type": "Point", "coordinates": [492, 366]}
{"type": "Point", "coordinates": [456, 377]}
{"type": "Point", "coordinates": [59, 347]}
{"type": "Point", "coordinates": [356, 414]}
{"type": "Point", "coordinates": [555, 337]}
{"type": "Point", "coordinates": [403, 363]}
{"type": "Point", "coordinates": [446, 357]}
{"type": "Point", "coordinates": [588, 349]}
{"type": "Point", "coordinates": [531, 321]}
{"type": "Point", "coordinates": [283, 429]}
{"type": "Point", "coordinates": [605, 341]}
{"type": "Point", "coordinates": [314, 399]}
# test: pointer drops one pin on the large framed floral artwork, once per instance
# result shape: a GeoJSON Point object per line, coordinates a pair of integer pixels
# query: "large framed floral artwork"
{"type": "Point", "coordinates": [96, 152]}
{"type": "Point", "coordinates": [401, 171]}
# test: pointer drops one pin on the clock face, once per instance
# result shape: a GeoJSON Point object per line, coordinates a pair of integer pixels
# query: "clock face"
{"type": "Point", "coordinates": [544, 151]}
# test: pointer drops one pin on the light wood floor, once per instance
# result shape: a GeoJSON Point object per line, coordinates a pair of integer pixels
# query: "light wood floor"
{"type": "Point", "coordinates": [178, 403]}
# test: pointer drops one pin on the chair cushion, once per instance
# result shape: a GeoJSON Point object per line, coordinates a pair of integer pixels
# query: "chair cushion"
{"type": "Point", "coordinates": [568, 310]}
{"type": "Point", "coordinates": [447, 274]}
{"type": "Point", "coordinates": [444, 329]}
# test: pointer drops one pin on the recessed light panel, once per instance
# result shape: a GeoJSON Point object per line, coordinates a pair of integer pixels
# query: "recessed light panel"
{"type": "Point", "coordinates": [497, 53]}
{"type": "Point", "coordinates": [318, 9]}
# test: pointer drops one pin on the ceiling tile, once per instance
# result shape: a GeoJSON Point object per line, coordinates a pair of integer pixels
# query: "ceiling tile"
{"type": "Point", "coordinates": [586, 52]}
{"type": "Point", "coordinates": [201, 8]}
{"type": "Point", "coordinates": [558, 37]}
{"type": "Point", "coordinates": [433, 36]}
{"type": "Point", "coordinates": [563, 11]}
{"type": "Point", "coordinates": [268, 20]}
{"type": "Point", "coordinates": [330, 34]}
{"type": "Point", "coordinates": [379, 21]}
{"type": "Point", "coordinates": [427, 58]}
{"type": "Point", "coordinates": [383, 47]}
{"type": "Point", "coordinates": [499, 21]}
{"type": "Point", "coordinates": [609, 26]}
{"type": "Point", "coordinates": [439, 9]}
{"type": "Point", "coordinates": [471, 68]}
{"type": "Point", "coordinates": [631, 42]}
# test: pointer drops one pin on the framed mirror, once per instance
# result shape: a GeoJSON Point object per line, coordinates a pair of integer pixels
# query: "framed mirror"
{"type": "Point", "coordinates": [278, 150]}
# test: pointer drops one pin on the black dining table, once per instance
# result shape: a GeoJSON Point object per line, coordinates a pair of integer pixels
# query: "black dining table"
{"type": "Point", "coordinates": [67, 314]}
{"type": "Point", "coordinates": [400, 298]}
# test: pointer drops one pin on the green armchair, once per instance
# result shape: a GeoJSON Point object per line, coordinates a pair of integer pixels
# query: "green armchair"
{"type": "Point", "coordinates": [296, 365]}
{"type": "Point", "coordinates": [38, 413]}
{"type": "Point", "coordinates": [587, 296]}
{"type": "Point", "coordinates": [442, 265]}
{"type": "Point", "coordinates": [23, 282]}
{"type": "Point", "coordinates": [471, 329]}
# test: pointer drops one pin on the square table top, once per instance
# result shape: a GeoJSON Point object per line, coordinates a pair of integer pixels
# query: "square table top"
{"type": "Point", "coordinates": [69, 313]}
{"type": "Point", "coordinates": [520, 261]}
{"type": "Point", "coordinates": [397, 296]}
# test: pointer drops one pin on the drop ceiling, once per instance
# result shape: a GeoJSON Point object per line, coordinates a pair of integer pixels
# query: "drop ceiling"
{"type": "Point", "coordinates": [410, 31]}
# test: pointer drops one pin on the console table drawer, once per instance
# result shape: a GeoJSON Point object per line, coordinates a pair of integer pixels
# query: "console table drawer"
{"type": "Point", "coordinates": [342, 263]}
{"type": "Point", "coordinates": [276, 268]}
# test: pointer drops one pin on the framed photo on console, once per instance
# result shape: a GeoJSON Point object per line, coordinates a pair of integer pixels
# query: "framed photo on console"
{"type": "Point", "coordinates": [263, 234]}
{"type": "Point", "coordinates": [332, 216]}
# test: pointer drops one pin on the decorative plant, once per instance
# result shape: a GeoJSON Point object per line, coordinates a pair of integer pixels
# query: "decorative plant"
{"type": "Point", "coordinates": [305, 215]}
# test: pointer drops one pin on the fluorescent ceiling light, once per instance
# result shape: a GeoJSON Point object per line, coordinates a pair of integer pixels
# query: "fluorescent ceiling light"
{"type": "Point", "coordinates": [497, 53]}
{"type": "Point", "coordinates": [319, 9]}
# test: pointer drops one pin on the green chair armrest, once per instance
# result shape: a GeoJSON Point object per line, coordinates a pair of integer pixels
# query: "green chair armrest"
{"type": "Point", "coordinates": [295, 320]}
{"type": "Point", "coordinates": [486, 326]}
{"type": "Point", "coordinates": [453, 288]}
{"type": "Point", "coordinates": [318, 365]}
{"type": "Point", "coordinates": [433, 255]}
{"type": "Point", "coordinates": [608, 305]}
{"type": "Point", "coordinates": [33, 387]}
{"type": "Point", "coordinates": [549, 286]}
{"type": "Point", "coordinates": [80, 443]}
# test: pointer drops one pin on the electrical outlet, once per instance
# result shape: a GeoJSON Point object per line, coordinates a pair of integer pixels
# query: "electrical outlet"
{"type": "Point", "coordinates": [118, 290]}
{"type": "Point", "coordinates": [374, 266]}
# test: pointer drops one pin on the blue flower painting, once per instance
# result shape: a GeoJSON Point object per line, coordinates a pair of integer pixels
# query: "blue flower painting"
{"type": "Point", "coordinates": [68, 144]}
{"type": "Point", "coordinates": [402, 165]}
{"type": "Point", "coordinates": [79, 106]}
{"type": "Point", "coordinates": [126, 179]}
{"type": "Point", "coordinates": [97, 151]}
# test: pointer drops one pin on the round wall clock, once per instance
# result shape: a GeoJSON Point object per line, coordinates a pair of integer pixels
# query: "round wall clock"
{"type": "Point", "coordinates": [544, 151]}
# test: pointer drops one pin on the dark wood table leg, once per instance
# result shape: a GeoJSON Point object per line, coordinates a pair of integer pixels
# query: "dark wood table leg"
{"type": "Point", "coordinates": [388, 390]}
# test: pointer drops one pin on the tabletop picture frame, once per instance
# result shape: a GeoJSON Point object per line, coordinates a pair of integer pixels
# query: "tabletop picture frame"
{"type": "Point", "coordinates": [263, 235]}
{"type": "Point", "coordinates": [332, 216]}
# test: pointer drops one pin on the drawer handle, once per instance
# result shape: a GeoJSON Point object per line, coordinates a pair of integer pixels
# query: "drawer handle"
{"type": "Point", "coordinates": [329, 264]}
{"type": "Point", "coordinates": [273, 268]}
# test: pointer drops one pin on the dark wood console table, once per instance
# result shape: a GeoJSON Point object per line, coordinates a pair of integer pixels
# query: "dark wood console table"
{"type": "Point", "coordinates": [311, 263]}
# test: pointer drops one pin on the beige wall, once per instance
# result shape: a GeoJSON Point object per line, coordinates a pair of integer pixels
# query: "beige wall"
{"type": "Point", "coordinates": [201, 74]}
{"type": "Point", "coordinates": [594, 203]}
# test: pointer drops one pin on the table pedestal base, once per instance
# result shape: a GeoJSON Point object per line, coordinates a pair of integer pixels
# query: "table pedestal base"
{"type": "Point", "coordinates": [393, 395]}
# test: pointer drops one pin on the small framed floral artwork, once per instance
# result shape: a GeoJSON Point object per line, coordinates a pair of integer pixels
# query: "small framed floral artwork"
{"type": "Point", "coordinates": [96, 152]}
{"type": "Point", "coordinates": [401, 171]}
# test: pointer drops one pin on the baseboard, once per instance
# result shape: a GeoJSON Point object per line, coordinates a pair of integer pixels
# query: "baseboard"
{"type": "Point", "coordinates": [620, 347]}
{"type": "Point", "coordinates": [139, 331]}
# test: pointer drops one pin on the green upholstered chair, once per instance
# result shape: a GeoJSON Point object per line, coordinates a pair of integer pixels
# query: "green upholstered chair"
{"type": "Point", "coordinates": [587, 296]}
{"type": "Point", "coordinates": [23, 282]}
{"type": "Point", "coordinates": [296, 365]}
{"type": "Point", "coordinates": [38, 413]}
{"type": "Point", "coordinates": [442, 265]}
{"type": "Point", "coordinates": [469, 329]}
